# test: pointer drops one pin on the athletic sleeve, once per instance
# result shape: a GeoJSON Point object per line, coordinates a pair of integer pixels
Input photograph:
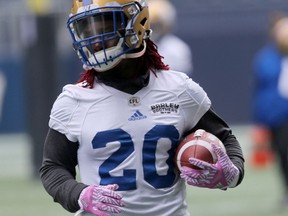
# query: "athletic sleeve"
{"type": "Point", "coordinates": [213, 123]}
{"type": "Point", "coordinates": [64, 116]}
{"type": "Point", "coordinates": [58, 170]}
{"type": "Point", "coordinates": [194, 102]}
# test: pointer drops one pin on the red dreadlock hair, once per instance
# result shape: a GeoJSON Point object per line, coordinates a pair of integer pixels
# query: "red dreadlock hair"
{"type": "Point", "coordinates": [151, 59]}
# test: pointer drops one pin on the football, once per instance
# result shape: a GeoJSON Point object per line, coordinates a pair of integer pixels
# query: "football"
{"type": "Point", "coordinates": [197, 145]}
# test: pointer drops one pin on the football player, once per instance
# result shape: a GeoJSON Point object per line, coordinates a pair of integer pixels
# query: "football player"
{"type": "Point", "coordinates": [122, 122]}
{"type": "Point", "coordinates": [163, 25]}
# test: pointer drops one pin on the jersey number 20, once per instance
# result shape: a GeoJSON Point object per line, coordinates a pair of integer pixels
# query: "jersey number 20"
{"type": "Point", "coordinates": [128, 180]}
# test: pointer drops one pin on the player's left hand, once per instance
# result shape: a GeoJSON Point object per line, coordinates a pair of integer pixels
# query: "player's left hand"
{"type": "Point", "coordinates": [222, 174]}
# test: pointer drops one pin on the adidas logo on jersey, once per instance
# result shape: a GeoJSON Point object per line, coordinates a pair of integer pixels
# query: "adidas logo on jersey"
{"type": "Point", "coordinates": [137, 116]}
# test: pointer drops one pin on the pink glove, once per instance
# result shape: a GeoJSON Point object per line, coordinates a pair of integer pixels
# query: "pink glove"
{"type": "Point", "coordinates": [97, 199]}
{"type": "Point", "coordinates": [222, 174]}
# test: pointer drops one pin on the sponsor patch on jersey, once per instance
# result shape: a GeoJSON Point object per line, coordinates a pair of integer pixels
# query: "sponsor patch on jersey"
{"type": "Point", "coordinates": [137, 116]}
{"type": "Point", "coordinates": [134, 101]}
{"type": "Point", "coordinates": [165, 108]}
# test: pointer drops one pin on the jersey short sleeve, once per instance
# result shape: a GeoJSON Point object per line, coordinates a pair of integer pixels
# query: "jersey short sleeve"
{"type": "Point", "coordinates": [63, 112]}
{"type": "Point", "coordinates": [195, 103]}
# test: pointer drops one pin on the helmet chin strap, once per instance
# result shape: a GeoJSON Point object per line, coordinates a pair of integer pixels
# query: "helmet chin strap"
{"type": "Point", "coordinates": [136, 55]}
{"type": "Point", "coordinates": [125, 56]}
{"type": "Point", "coordinates": [86, 67]}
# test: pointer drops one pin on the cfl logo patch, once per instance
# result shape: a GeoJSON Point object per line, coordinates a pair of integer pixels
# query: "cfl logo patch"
{"type": "Point", "coordinates": [134, 101]}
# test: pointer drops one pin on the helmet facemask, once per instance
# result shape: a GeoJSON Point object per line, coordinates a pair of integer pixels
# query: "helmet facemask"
{"type": "Point", "coordinates": [103, 36]}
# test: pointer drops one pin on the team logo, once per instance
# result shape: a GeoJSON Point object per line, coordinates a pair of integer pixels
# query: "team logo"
{"type": "Point", "coordinates": [165, 108]}
{"type": "Point", "coordinates": [137, 116]}
{"type": "Point", "coordinates": [134, 101]}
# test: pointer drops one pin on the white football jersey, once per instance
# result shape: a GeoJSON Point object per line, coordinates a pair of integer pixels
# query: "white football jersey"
{"type": "Point", "coordinates": [130, 140]}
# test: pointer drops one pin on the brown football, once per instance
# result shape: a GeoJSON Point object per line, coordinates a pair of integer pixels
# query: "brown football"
{"type": "Point", "coordinates": [197, 145]}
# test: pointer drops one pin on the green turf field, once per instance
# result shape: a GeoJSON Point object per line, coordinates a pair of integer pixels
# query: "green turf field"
{"type": "Point", "coordinates": [258, 195]}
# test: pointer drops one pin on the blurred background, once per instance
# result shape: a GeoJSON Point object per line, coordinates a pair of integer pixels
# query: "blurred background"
{"type": "Point", "coordinates": [37, 59]}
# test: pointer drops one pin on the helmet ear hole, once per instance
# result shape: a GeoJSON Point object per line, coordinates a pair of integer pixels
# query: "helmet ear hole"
{"type": "Point", "coordinates": [143, 21]}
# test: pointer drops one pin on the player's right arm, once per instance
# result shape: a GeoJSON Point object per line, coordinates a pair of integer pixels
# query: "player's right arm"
{"type": "Point", "coordinates": [58, 175]}
{"type": "Point", "coordinates": [58, 171]}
